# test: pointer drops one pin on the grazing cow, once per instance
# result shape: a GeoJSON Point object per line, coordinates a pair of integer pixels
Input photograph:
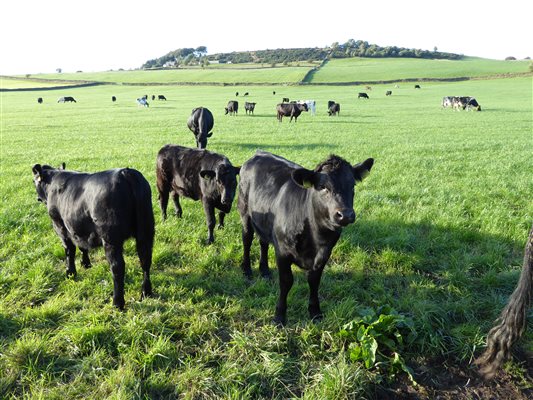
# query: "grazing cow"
{"type": "Point", "coordinates": [334, 109]}
{"type": "Point", "coordinates": [362, 96]}
{"type": "Point", "coordinates": [236, 94]}
{"type": "Point", "coordinates": [292, 110]}
{"type": "Point", "coordinates": [161, 97]}
{"type": "Point", "coordinates": [274, 92]}
{"type": "Point", "coordinates": [198, 175]}
{"type": "Point", "coordinates": [66, 99]}
{"type": "Point", "coordinates": [249, 107]}
{"type": "Point", "coordinates": [200, 123]}
{"type": "Point", "coordinates": [512, 321]}
{"type": "Point", "coordinates": [40, 100]}
{"type": "Point", "coordinates": [153, 97]}
{"type": "Point", "coordinates": [417, 86]}
{"type": "Point", "coordinates": [301, 212]}
{"type": "Point", "coordinates": [142, 102]}
{"type": "Point", "coordinates": [285, 100]}
{"type": "Point", "coordinates": [311, 105]}
{"type": "Point", "coordinates": [472, 104]}
{"type": "Point", "coordinates": [448, 101]}
{"type": "Point", "coordinates": [232, 108]}
{"type": "Point", "coordinates": [113, 98]}
{"type": "Point", "coordinates": [246, 94]}
{"type": "Point", "coordinates": [388, 93]}
{"type": "Point", "coordinates": [101, 209]}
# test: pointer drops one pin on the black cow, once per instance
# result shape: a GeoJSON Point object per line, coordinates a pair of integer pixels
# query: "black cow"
{"type": "Point", "coordinates": [330, 103]}
{"type": "Point", "coordinates": [232, 108]}
{"type": "Point", "coordinates": [274, 92]}
{"type": "Point", "coordinates": [40, 100]}
{"type": "Point", "coordinates": [104, 208]}
{"type": "Point", "coordinates": [198, 175]}
{"type": "Point", "coordinates": [66, 99]}
{"type": "Point", "coordinates": [362, 96]}
{"type": "Point", "coordinates": [417, 86]}
{"type": "Point", "coordinates": [161, 97]}
{"type": "Point", "coordinates": [292, 110]}
{"type": "Point", "coordinates": [113, 99]}
{"type": "Point", "coordinates": [200, 123]}
{"type": "Point", "coordinates": [285, 100]}
{"type": "Point", "coordinates": [249, 107]}
{"type": "Point", "coordinates": [153, 97]}
{"type": "Point", "coordinates": [246, 94]}
{"type": "Point", "coordinates": [334, 109]}
{"type": "Point", "coordinates": [236, 94]}
{"type": "Point", "coordinates": [300, 211]}
{"type": "Point", "coordinates": [388, 93]}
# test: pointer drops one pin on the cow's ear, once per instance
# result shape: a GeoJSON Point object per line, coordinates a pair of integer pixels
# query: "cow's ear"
{"type": "Point", "coordinates": [37, 172]}
{"type": "Point", "coordinates": [304, 177]}
{"type": "Point", "coordinates": [63, 165]}
{"type": "Point", "coordinates": [207, 174]}
{"type": "Point", "coordinates": [237, 170]}
{"type": "Point", "coordinates": [361, 170]}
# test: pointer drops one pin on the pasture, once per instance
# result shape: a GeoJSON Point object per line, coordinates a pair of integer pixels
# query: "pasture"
{"type": "Point", "coordinates": [441, 224]}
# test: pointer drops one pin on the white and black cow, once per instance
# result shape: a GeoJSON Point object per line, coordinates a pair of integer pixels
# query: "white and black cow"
{"type": "Point", "coordinates": [201, 123]}
{"type": "Point", "coordinates": [301, 212]}
{"type": "Point", "coordinates": [101, 209]}
{"type": "Point", "coordinates": [334, 109]}
{"type": "Point", "coordinates": [66, 99]}
{"type": "Point", "coordinates": [199, 175]}
{"type": "Point", "coordinates": [141, 101]}
{"type": "Point", "coordinates": [311, 105]}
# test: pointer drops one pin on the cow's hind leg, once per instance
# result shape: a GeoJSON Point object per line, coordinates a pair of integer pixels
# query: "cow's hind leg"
{"type": "Point", "coordinates": [144, 250]}
{"type": "Point", "coordinates": [116, 261]}
{"type": "Point", "coordinates": [70, 252]}
{"type": "Point", "coordinates": [285, 284]}
{"type": "Point", "coordinates": [177, 206]}
{"type": "Point", "coordinates": [163, 202]}
{"type": "Point", "coordinates": [263, 260]}
{"type": "Point", "coordinates": [313, 279]}
{"type": "Point", "coordinates": [247, 238]}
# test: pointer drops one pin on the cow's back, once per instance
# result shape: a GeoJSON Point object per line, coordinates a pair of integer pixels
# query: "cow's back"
{"type": "Point", "coordinates": [267, 192]}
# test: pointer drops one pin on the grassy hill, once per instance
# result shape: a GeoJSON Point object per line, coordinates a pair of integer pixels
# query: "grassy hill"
{"type": "Point", "coordinates": [347, 70]}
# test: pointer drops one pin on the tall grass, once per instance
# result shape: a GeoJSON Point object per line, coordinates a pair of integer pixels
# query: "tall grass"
{"type": "Point", "coordinates": [441, 223]}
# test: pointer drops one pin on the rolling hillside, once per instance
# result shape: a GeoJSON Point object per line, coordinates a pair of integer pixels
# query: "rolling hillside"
{"type": "Point", "coordinates": [337, 71]}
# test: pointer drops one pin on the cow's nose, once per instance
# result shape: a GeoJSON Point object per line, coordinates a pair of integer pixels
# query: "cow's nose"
{"type": "Point", "coordinates": [345, 217]}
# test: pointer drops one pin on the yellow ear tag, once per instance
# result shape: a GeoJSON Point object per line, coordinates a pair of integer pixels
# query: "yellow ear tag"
{"type": "Point", "coordinates": [39, 178]}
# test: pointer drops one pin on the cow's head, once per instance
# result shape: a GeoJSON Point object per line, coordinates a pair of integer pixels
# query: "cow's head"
{"type": "Point", "coordinates": [201, 139]}
{"type": "Point", "coordinates": [42, 176]}
{"type": "Point", "coordinates": [224, 177]}
{"type": "Point", "coordinates": [332, 184]}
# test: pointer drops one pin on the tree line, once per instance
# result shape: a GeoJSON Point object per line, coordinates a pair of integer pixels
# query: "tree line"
{"type": "Point", "coordinates": [352, 48]}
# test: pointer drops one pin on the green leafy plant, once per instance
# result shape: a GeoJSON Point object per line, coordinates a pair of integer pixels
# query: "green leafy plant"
{"type": "Point", "coordinates": [377, 338]}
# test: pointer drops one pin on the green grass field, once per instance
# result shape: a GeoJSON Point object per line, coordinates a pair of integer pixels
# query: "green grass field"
{"type": "Point", "coordinates": [442, 221]}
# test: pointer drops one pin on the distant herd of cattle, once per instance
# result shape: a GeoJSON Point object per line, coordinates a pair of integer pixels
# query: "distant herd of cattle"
{"type": "Point", "coordinates": [301, 212]}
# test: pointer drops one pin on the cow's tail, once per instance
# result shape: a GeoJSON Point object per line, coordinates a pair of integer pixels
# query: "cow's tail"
{"type": "Point", "coordinates": [144, 214]}
{"type": "Point", "coordinates": [512, 321]}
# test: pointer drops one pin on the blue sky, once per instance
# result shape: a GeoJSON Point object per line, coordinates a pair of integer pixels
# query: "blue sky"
{"type": "Point", "coordinates": [97, 35]}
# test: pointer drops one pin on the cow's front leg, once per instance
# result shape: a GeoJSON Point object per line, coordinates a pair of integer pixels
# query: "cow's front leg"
{"type": "Point", "coordinates": [211, 221]}
{"type": "Point", "coordinates": [221, 216]}
{"type": "Point", "coordinates": [85, 260]}
{"type": "Point", "coordinates": [313, 279]}
{"type": "Point", "coordinates": [177, 205]}
{"type": "Point", "coordinates": [115, 258]}
{"type": "Point", "coordinates": [285, 284]}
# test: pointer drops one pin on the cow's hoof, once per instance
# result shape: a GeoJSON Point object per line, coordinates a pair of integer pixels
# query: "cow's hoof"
{"type": "Point", "coordinates": [71, 274]}
{"type": "Point", "coordinates": [279, 321]}
{"type": "Point", "coordinates": [317, 318]}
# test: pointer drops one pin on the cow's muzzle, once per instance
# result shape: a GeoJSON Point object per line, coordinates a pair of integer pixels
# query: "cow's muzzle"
{"type": "Point", "coordinates": [345, 216]}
